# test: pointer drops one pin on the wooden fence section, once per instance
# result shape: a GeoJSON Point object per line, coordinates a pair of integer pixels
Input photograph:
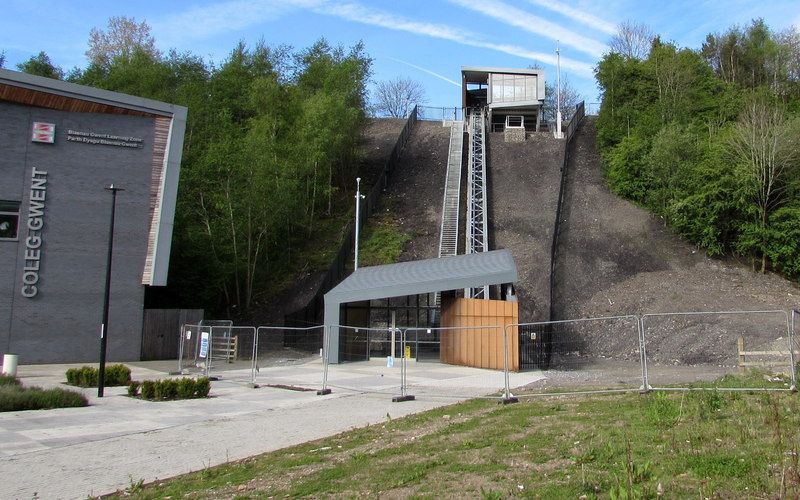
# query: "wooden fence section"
{"type": "Point", "coordinates": [161, 331]}
{"type": "Point", "coordinates": [479, 347]}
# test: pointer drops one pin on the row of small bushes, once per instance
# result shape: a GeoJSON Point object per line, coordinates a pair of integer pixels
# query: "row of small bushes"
{"type": "Point", "coordinates": [15, 397]}
{"type": "Point", "coordinates": [170, 388]}
{"type": "Point", "coordinates": [87, 376]}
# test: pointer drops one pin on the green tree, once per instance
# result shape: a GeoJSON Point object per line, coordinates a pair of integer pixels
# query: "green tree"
{"type": "Point", "coordinates": [41, 65]}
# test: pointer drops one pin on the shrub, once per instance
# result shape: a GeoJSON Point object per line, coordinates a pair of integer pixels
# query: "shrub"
{"type": "Point", "coordinates": [166, 389]}
{"type": "Point", "coordinates": [203, 387]}
{"type": "Point", "coordinates": [8, 380]}
{"type": "Point", "coordinates": [149, 389]}
{"type": "Point", "coordinates": [133, 388]}
{"type": "Point", "coordinates": [117, 375]}
{"type": "Point", "coordinates": [187, 388]}
{"type": "Point", "coordinates": [88, 376]}
{"type": "Point", "coordinates": [18, 398]}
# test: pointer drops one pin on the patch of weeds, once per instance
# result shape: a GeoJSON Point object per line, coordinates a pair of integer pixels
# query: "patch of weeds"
{"type": "Point", "coordinates": [661, 410]}
{"type": "Point", "coordinates": [383, 242]}
{"type": "Point", "coordinates": [491, 494]}
{"type": "Point", "coordinates": [9, 380]}
{"type": "Point", "coordinates": [19, 398]}
{"type": "Point", "coordinates": [717, 465]}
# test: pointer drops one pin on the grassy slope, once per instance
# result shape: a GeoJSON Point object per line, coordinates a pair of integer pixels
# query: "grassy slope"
{"type": "Point", "coordinates": [701, 443]}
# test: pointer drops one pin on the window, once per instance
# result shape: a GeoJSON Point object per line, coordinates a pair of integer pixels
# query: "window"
{"type": "Point", "coordinates": [9, 219]}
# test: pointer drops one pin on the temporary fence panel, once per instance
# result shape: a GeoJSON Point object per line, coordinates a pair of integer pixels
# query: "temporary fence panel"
{"type": "Point", "coordinates": [289, 357]}
{"type": "Point", "coordinates": [190, 348]}
{"type": "Point", "coordinates": [356, 370]}
{"type": "Point", "coordinates": [606, 352]}
{"type": "Point", "coordinates": [729, 350]}
{"type": "Point", "coordinates": [462, 371]}
{"type": "Point", "coordinates": [231, 352]}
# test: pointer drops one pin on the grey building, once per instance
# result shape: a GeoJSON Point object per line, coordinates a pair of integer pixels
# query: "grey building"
{"type": "Point", "coordinates": [61, 145]}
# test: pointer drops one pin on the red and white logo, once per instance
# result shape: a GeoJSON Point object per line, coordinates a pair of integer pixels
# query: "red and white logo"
{"type": "Point", "coordinates": [44, 132]}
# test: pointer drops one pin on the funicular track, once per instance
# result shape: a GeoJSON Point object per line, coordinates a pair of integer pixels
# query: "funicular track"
{"type": "Point", "coordinates": [477, 234]}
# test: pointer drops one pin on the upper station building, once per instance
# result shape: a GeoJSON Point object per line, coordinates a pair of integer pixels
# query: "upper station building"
{"type": "Point", "coordinates": [62, 144]}
{"type": "Point", "coordinates": [512, 97]}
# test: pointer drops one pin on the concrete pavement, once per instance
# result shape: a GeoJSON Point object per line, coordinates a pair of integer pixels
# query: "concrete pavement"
{"type": "Point", "coordinates": [117, 440]}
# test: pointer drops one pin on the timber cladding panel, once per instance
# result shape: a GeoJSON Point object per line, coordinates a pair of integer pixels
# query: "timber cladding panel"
{"type": "Point", "coordinates": [464, 343]}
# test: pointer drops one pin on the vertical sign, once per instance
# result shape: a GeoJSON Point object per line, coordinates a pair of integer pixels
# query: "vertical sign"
{"type": "Point", "coordinates": [204, 344]}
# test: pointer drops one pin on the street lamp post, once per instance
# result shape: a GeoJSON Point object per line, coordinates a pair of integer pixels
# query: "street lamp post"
{"type": "Point", "coordinates": [559, 135]}
{"type": "Point", "coordinates": [101, 379]}
{"type": "Point", "coordinates": [359, 196]}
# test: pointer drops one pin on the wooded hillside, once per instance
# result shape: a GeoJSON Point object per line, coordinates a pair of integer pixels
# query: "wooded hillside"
{"type": "Point", "coordinates": [709, 139]}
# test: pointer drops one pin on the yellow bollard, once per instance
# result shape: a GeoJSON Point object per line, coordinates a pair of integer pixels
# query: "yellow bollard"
{"type": "Point", "coordinates": [408, 352]}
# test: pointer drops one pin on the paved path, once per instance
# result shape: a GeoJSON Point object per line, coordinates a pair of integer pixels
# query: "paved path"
{"type": "Point", "coordinates": [75, 452]}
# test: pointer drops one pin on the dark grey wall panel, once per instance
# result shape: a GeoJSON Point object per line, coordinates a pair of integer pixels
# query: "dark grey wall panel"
{"type": "Point", "coordinates": [62, 322]}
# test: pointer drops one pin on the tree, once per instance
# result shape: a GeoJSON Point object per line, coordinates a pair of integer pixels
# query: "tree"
{"type": "Point", "coordinates": [41, 65]}
{"type": "Point", "coordinates": [122, 37]}
{"type": "Point", "coordinates": [396, 98]}
{"type": "Point", "coordinates": [632, 40]}
{"type": "Point", "coordinates": [2, 58]}
{"type": "Point", "coordinates": [765, 147]}
{"type": "Point", "coordinates": [570, 97]}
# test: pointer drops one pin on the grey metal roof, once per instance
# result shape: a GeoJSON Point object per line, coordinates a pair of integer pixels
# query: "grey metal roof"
{"type": "Point", "coordinates": [482, 72]}
{"type": "Point", "coordinates": [85, 93]}
{"type": "Point", "coordinates": [426, 276]}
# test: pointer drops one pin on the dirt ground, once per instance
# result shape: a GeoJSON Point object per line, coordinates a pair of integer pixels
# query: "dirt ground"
{"type": "Point", "coordinates": [615, 258]}
{"type": "Point", "coordinates": [524, 180]}
{"type": "Point", "coordinates": [416, 189]}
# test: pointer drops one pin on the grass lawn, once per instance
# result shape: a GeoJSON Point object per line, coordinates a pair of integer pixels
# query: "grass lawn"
{"type": "Point", "coordinates": [700, 444]}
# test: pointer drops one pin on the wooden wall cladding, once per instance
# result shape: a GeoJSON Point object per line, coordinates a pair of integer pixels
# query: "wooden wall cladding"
{"type": "Point", "coordinates": [468, 345]}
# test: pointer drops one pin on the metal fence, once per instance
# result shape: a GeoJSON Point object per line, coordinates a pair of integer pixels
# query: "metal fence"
{"type": "Point", "coordinates": [443, 114]}
{"type": "Point", "coordinates": [675, 351]}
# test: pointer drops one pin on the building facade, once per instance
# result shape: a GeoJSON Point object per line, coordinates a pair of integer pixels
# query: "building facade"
{"type": "Point", "coordinates": [62, 144]}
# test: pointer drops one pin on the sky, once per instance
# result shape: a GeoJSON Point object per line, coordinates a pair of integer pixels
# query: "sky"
{"type": "Point", "coordinates": [427, 41]}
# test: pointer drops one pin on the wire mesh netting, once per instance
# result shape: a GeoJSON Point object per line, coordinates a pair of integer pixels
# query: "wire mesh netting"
{"type": "Point", "coordinates": [230, 353]}
{"type": "Point", "coordinates": [723, 350]}
{"type": "Point", "coordinates": [456, 362]}
{"type": "Point", "coordinates": [582, 353]}
{"type": "Point", "coordinates": [359, 371]}
{"type": "Point", "coordinates": [289, 357]}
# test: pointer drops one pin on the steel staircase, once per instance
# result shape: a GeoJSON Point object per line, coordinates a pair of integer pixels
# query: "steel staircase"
{"type": "Point", "coordinates": [448, 233]}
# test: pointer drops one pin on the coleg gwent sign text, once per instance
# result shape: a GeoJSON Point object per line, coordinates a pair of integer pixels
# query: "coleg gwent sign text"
{"type": "Point", "coordinates": [33, 242]}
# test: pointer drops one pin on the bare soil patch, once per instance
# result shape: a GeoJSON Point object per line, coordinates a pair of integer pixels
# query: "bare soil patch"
{"type": "Point", "coordinates": [524, 180]}
{"type": "Point", "coordinates": [616, 259]}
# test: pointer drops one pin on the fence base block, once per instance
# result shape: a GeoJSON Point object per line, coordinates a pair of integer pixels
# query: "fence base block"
{"type": "Point", "coordinates": [323, 392]}
{"type": "Point", "coordinates": [510, 400]}
{"type": "Point", "coordinates": [214, 379]}
{"type": "Point", "coordinates": [253, 386]}
{"type": "Point", "coordinates": [400, 399]}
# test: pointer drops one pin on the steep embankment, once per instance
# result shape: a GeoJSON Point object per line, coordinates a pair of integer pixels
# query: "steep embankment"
{"type": "Point", "coordinates": [524, 180]}
{"type": "Point", "coordinates": [415, 191]}
{"type": "Point", "coordinates": [615, 258]}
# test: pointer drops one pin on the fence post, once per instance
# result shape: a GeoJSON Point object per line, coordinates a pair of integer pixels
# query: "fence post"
{"type": "Point", "coordinates": [253, 360]}
{"type": "Point", "coordinates": [643, 354]}
{"type": "Point", "coordinates": [209, 356]}
{"type": "Point", "coordinates": [507, 397]}
{"type": "Point", "coordinates": [403, 396]}
{"type": "Point", "coordinates": [183, 339]}
{"type": "Point", "coordinates": [325, 350]}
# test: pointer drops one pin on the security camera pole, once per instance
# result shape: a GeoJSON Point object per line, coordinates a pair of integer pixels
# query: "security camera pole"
{"type": "Point", "coordinates": [359, 196]}
{"type": "Point", "coordinates": [101, 378]}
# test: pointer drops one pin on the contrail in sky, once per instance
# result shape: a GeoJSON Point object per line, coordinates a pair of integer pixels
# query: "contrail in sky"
{"type": "Point", "coordinates": [433, 73]}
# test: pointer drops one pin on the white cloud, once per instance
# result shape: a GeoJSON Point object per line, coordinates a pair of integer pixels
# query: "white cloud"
{"type": "Point", "coordinates": [534, 24]}
{"type": "Point", "coordinates": [232, 15]}
{"type": "Point", "coordinates": [361, 14]}
{"type": "Point", "coordinates": [581, 16]}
